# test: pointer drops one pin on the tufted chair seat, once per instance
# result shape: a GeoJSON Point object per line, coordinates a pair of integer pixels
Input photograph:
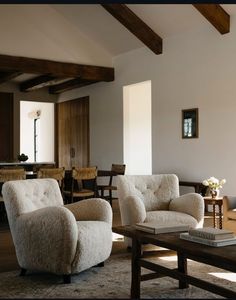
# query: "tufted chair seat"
{"type": "Point", "coordinates": [145, 198]}
{"type": "Point", "coordinates": [52, 237]}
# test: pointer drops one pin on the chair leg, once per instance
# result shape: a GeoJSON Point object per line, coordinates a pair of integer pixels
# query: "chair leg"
{"type": "Point", "coordinates": [100, 264]}
{"type": "Point", "coordinates": [23, 272]}
{"type": "Point", "coordinates": [110, 197]}
{"type": "Point", "coordinates": [102, 193]}
{"type": "Point", "coordinates": [67, 278]}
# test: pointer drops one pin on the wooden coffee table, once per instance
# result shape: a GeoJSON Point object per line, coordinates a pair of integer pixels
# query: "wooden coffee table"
{"type": "Point", "coordinates": [221, 257]}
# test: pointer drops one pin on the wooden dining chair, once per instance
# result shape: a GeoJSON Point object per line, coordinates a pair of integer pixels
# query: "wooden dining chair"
{"type": "Point", "coordinates": [116, 169]}
{"type": "Point", "coordinates": [56, 173]}
{"type": "Point", "coordinates": [84, 183]}
{"type": "Point", "coordinates": [7, 174]}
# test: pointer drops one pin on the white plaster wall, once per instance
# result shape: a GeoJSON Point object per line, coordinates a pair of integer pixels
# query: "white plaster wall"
{"type": "Point", "coordinates": [197, 69]}
{"type": "Point", "coordinates": [39, 31]}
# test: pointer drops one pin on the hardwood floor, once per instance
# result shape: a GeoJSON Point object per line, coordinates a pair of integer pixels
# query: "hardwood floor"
{"type": "Point", "coordinates": [8, 259]}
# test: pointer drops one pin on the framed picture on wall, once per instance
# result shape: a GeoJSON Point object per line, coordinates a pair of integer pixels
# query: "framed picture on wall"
{"type": "Point", "coordinates": [190, 123]}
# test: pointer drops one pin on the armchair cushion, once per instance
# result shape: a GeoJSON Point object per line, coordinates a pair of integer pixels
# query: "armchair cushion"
{"type": "Point", "coordinates": [167, 216]}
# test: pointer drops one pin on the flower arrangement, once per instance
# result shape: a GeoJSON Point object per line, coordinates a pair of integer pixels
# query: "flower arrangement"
{"type": "Point", "coordinates": [214, 184]}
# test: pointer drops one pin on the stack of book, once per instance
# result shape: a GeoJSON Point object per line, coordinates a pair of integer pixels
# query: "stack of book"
{"type": "Point", "coordinates": [156, 227]}
{"type": "Point", "coordinates": [210, 236]}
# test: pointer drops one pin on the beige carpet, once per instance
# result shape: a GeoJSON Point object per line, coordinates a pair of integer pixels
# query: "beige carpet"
{"type": "Point", "coordinates": [112, 282]}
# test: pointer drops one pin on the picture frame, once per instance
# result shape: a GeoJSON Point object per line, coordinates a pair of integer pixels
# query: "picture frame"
{"type": "Point", "coordinates": [190, 123]}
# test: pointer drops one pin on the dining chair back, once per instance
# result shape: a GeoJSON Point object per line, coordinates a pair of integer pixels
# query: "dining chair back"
{"type": "Point", "coordinates": [8, 174]}
{"type": "Point", "coordinates": [116, 169]}
{"type": "Point", "coordinates": [56, 173]}
{"type": "Point", "coordinates": [84, 183]}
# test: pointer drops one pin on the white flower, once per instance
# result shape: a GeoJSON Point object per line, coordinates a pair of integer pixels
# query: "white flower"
{"type": "Point", "coordinates": [214, 183]}
{"type": "Point", "coordinates": [214, 180]}
{"type": "Point", "coordinates": [223, 181]}
{"type": "Point", "coordinates": [205, 182]}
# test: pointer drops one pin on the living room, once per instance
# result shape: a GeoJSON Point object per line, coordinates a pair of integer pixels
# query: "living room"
{"type": "Point", "coordinates": [195, 70]}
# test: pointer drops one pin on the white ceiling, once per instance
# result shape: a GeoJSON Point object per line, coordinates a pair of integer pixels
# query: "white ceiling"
{"type": "Point", "coordinates": [167, 20]}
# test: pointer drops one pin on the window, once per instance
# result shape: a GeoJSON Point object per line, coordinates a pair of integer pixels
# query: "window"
{"type": "Point", "coordinates": [37, 130]}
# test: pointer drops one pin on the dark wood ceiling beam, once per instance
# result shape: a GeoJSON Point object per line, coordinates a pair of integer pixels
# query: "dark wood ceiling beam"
{"type": "Point", "coordinates": [216, 15]}
{"type": "Point", "coordinates": [7, 76]}
{"type": "Point", "coordinates": [57, 69]}
{"type": "Point", "coordinates": [37, 83]}
{"type": "Point", "coordinates": [69, 85]}
{"type": "Point", "coordinates": [134, 24]}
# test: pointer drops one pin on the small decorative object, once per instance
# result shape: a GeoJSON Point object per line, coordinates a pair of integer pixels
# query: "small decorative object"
{"type": "Point", "coordinates": [190, 123]}
{"type": "Point", "coordinates": [214, 185]}
{"type": "Point", "coordinates": [22, 157]}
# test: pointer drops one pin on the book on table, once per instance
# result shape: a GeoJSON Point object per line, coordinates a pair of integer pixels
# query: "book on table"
{"type": "Point", "coordinates": [209, 242]}
{"type": "Point", "coordinates": [211, 233]}
{"type": "Point", "coordinates": [155, 227]}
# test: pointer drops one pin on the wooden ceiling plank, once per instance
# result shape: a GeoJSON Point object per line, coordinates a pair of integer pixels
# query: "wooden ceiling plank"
{"type": "Point", "coordinates": [134, 24]}
{"type": "Point", "coordinates": [57, 69]}
{"type": "Point", "coordinates": [216, 15]}
{"type": "Point", "coordinates": [36, 83]}
{"type": "Point", "coordinates": [6, 76]}
{"type": "Point", "coordinates": [69, 85]}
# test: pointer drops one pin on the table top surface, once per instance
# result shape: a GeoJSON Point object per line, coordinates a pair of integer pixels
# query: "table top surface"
{"type": "Point", "coordinates": [210, 199]}
{"type": "Point", "coordinates": [224, 257]}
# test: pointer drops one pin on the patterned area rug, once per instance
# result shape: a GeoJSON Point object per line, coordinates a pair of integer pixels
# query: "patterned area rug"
{"type": "Point", "coordinates": [112, 281]}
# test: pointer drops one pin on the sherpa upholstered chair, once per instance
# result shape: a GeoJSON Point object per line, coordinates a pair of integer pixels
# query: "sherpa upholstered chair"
{"type": "Point", "coordinates": [51, 237]}
{"type": "Point", "coordinates": [146, 198]}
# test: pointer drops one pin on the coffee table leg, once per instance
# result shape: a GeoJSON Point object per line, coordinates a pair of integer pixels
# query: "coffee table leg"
{"type": "Point", "coordinates": [136, 269]}
{"type": "Point", "coordinates": [182, 267]}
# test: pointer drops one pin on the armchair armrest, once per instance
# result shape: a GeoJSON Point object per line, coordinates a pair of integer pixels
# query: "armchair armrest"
{"type": "Point", "coordinates": [91, 209]}
{"type": "Point", "coordinates": [45, 236]}
{"type": "Point", "coordinates": [191, 204]}
{"type": "Point", "coordinates": [133, 210]}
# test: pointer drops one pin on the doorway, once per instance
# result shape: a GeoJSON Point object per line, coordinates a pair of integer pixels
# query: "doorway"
{"type": "Point", "coordinates": [137, 128]}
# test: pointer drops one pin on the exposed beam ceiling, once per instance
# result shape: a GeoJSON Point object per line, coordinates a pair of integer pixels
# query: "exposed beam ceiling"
{"type": "Point", "coordinates": [36, 83]}
{"type": "Point", "coordinates": [134, 24]}
{"type": "Point", "coordinates": [68, 85]}
{"type": "Point", "coordinates": [6, 76]}
{"type": "Point", "coordinates": [55, 69]}
{"type": "Point", "coordinates": [59, 76]}
{"type": "Point", "coordinates": [216, 15]}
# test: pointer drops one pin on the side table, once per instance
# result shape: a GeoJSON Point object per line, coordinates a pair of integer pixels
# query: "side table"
{"type": "Point", "coordinates": [215, 201]}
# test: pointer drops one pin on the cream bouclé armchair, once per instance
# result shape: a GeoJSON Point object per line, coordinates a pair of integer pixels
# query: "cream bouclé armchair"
{"type": "Point", "coordinates": [51, 237]}
{"type": "Point", "coordinates": [146, 198]}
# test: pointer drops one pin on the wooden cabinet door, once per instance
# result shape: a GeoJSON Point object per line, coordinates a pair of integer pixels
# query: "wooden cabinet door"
{"type": "Point", "coordinates": [6, 126]}
{"type": "Point", "coordinates": [73, 133]}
